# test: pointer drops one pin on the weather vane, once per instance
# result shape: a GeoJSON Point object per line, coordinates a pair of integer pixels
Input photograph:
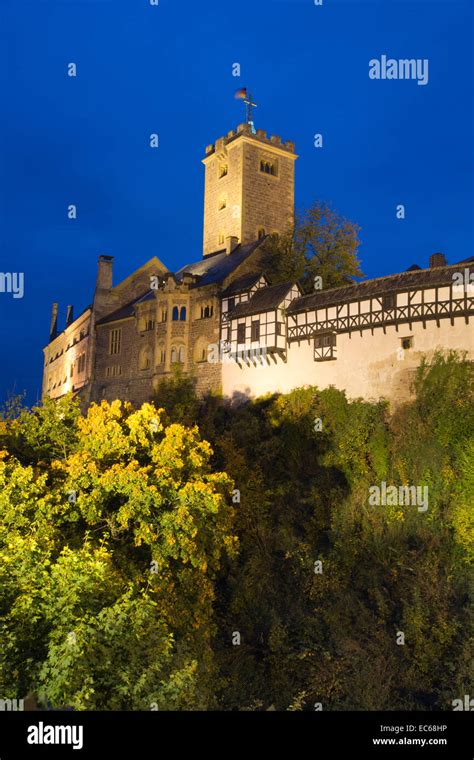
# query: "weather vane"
{"type": "Point", "coordinates": [249, 104]}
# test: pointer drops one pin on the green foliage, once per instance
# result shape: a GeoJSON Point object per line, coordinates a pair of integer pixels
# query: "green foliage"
{"type": "Point", "coordinates": [322, 243]}
{"type": "Point", "coordinates": [331, 637]}
{"type": "Point", "coordinates": [108, 554]}
{"type": "Point", "coordinates": [323, 582]}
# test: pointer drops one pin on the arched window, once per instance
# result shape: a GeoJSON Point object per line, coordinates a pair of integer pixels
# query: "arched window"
{"type": "Point", "coordinates": [145, 358]}
{"type": "Point", "coordinates": [207, 310]}
{"type": "Point", "coordinates": [267, 167]}
{"type": "Point", "coordinates": [175, 313]}
{"type": "Point", "coordinates": [181, 355]}
{"type": "Point", "coordinates": [200, 350]}
{"type": "Point", "coordinates": [182, 314]}
{"type": "Point", "coordinates": [261, 232]}
{"type": "Point", "coordinates": [174, 355]}
{"type": "Point", "coordinates": [161, 353]}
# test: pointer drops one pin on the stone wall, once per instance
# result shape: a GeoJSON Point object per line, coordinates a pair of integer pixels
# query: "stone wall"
{"type": "Point", "coordinates": [367, 366]}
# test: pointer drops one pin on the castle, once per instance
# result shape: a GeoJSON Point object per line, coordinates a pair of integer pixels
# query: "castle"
{"type": "Point", "coordinates": [228, 328]}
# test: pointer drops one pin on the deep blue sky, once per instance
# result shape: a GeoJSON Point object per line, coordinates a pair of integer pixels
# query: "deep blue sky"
{"type": "Point", "coordinates": [168, 69]}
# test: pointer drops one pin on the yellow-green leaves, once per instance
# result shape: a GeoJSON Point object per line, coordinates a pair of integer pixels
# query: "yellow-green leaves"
{"type": "Point", "coordinates": [109, 548]}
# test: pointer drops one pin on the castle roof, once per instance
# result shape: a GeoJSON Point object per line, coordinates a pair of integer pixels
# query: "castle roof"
{"type": "Point", "coordinates": [242, 284]}
{"type": "Point", "coordinates": [410, 280]}
{"type": "Point", "coordinates": [126, 311]}
{"type": "Point", "coordinates": [214, 269]}
{"type": "Point", "coordinates": [263, 299]}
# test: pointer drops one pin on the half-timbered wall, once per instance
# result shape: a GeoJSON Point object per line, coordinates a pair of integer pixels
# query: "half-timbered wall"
{"type": "Point", "coordinates": [376, 350]}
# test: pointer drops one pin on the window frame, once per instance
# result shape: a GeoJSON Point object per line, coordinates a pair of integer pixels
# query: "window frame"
{"type": "Point", "coordinates": [115, 341]}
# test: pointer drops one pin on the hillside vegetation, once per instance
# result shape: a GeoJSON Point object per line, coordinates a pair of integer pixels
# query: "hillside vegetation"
{"type": "Point", "coordinates": [207, 555]}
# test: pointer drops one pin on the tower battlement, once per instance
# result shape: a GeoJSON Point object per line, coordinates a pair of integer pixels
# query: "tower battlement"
{"type": "Point", "coordinates": [246, 129]}
{"type": "Point", "coordinates": [248, 187]}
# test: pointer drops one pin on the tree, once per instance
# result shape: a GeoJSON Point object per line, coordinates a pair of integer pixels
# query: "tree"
{"type": "Point", "coordinates": [322, 244]}
{"type": "Point", "coordinates": [108, 555]}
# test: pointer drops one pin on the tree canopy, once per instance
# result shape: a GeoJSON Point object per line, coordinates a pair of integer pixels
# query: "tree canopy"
{"type": "Point", "coordinates": [322, 244]}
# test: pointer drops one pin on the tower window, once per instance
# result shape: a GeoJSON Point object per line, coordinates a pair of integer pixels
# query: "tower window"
{"type": "Point", "coordinates": [268, 167]}
{"type": "Point", "coordinates": [182, 314]}
{"type": "Point", "coordinates": [261, 232]}
{"type": "Point", "coordinates": [223, 170]}
{"type": "Point", "coordinates": [221, 238]}
{"type": "Point", "coordinates": [222, 203]}
{"type": "Point", "coordinates": [175, 314]}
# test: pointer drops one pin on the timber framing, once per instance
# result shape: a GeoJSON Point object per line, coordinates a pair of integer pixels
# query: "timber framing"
{"type": "Point", "coordinates": [324, 312]}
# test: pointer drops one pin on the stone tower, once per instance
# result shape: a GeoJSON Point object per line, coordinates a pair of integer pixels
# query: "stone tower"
{"type": "Point", "coordinates": [248, 188]}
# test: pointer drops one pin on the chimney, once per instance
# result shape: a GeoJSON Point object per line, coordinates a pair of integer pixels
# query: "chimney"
{"type": "Point", "coordinates": [104, 273]}
{"type": "Point", "coordinates": [53, 330]}
{"type": "Point", "coordinates": [231, 242]}
{"type": "Point", "coordinates": [437, 260]}
{"type": "Point", "coordinates": [69, 315]}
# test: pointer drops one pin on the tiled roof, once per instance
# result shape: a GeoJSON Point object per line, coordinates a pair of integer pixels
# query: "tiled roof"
{"type": "Point", "coordinates": [215, 268]}
{"type": "Point", "coordinates": [263, 299]}
{"type": "Point", "coordinates": [128, 310]}
{"type": "Point", "coordinates": [241, 284]}
{"type": "Point", "coordinates": [422, 278]}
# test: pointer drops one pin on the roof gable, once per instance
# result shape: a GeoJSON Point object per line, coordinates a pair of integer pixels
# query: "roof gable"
{"type": "Point", "coordinates": [264, 299]}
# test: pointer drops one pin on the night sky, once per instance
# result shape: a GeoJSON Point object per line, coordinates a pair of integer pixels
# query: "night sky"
{"type": "Point", "coordinates": [143, 69]}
